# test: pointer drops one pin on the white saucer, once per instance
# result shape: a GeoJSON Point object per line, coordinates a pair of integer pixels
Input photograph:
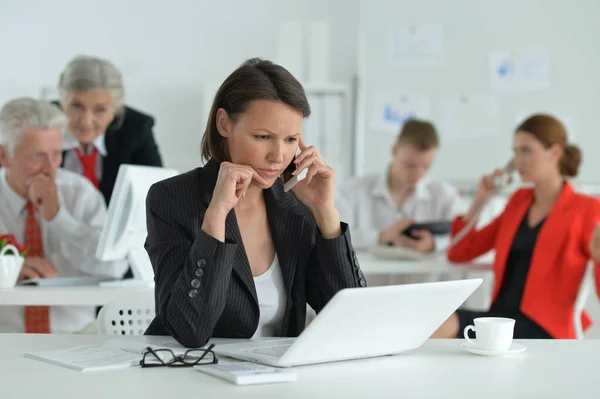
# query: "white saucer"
{"type": "Point", "coordinates": [514, 348]}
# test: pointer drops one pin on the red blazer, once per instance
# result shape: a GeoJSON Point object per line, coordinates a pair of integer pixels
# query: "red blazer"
{"type": "Point", "coordinates": [559, 258]}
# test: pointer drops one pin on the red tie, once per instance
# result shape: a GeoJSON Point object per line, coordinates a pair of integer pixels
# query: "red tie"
{"type": "Point", "coordinates": [88, 162]}
{"type": "Point", "coordinates": [37, 318]}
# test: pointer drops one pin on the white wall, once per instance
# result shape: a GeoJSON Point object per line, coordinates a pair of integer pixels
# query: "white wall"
{"type": "Point", "coordinates": [167, 50]}
{"type": "Point", "coordinates": [474, 28]}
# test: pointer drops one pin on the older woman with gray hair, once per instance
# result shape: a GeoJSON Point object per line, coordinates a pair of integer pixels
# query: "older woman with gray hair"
{"type": "Point", "coordinates": [102, 132]}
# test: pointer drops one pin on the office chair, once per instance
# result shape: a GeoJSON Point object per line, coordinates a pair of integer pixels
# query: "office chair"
{"type": "Point", "coordinates": [119, 318]}
{"type": "Point", "coordinates": [585, 289]}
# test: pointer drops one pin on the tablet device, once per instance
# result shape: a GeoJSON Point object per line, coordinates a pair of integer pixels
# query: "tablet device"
{"type": "Point", "coordinates": [435, 228]}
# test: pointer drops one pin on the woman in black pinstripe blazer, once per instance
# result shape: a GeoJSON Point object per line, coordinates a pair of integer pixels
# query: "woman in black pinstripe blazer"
{"type": "Point", "coordinates": [233, 254]}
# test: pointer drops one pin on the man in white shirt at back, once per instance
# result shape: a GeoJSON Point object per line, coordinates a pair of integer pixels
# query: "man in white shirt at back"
{"type": "Point", "coordinates": [57, 214]}
{"type": "Point", "coordinates": [379, 207]}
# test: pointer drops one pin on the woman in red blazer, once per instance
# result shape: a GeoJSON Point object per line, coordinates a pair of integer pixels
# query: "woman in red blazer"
{"type": "Point", "coordinates": [543, 239]}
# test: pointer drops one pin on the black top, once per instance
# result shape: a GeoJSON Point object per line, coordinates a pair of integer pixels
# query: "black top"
{"type": "Point", "coordinates": [517, 266]}
{"type": "Point", "coordinates": [129, 140]}
{"type": "Point", "coordinates": [204, 287]}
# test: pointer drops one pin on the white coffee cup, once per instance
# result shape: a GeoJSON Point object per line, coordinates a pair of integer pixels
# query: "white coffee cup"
{"type": "Point", "coordinates": [493, 333]}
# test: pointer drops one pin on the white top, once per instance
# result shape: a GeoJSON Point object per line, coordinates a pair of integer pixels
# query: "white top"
{"type": "Point", "coordinates": [366, 204]}
{"type": "Point", "coordinates": [271, 301]}
{"type": "Point", "coordinates": [71, 161]}
{"type": "Point", "coordinates": [70, 241]}
{"type": "Point", "coordinates": [549, 369]}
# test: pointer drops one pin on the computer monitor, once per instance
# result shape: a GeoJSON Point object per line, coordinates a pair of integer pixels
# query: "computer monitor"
{"type": "Point", "coordinates": [124, 231]}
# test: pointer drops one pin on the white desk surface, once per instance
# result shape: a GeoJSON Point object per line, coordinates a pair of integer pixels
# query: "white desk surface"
{"type": "Point", "coordinates": [82, 295]}
{"type": "Point", "coordinates": [97, 296]}
{"type": "Point", "coordinates": [372, 265]}
{"type": "Point", "coordinates": [439, 369]}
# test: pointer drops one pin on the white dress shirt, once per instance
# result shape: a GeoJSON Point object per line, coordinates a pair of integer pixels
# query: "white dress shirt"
{"type": "Point", "coordinates": [272, 299]}
{"type": "Point", "coordinates": [70, 241]}
{"type": "Point", "coordinates": [366, 204]}
{"type": "Point", "coordinates": [71, 161]}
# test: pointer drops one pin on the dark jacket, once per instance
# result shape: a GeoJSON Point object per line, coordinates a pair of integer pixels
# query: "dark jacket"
{"type": "Point", "coordinates": [204, 288]}
{"type": "Point", "coordinates": [129, 140]}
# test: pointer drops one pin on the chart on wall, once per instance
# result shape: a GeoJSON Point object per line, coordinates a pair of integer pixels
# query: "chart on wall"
{"type": "Point", "coordinates": [520, 70]}
{"type": "Point", "coordinates": [416, 44]}
{"type": "Point", "coordinates": [470, 116]}
{"type": "Point", "coordinates": [391, 110]}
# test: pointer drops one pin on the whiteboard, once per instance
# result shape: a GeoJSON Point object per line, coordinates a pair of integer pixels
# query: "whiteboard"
{"type": "Point", "coordinates": [472, 30]}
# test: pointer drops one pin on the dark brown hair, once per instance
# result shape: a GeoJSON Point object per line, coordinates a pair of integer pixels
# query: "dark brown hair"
{"type": "Point", "coordinates": [255, 79]}
{"type": "Point", "coordinates": [420, 134]}
{"type": "Point", "coordinates": [549, 131]}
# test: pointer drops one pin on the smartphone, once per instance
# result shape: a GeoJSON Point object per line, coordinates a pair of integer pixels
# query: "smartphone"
{"type": "Point", "coordinates": [289, 180]}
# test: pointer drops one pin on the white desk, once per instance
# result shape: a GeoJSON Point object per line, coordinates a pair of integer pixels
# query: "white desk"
{"type": "Point", "coordinates": [98, 296]}
{"type": "Point", "coordinates": [440, 369]}
{"type": "Point", "coordinates": [372, 265]}
{"type": "Point", "coordinates": [380, 271]}
{"type": "Point", "coordinates": [73, 296]}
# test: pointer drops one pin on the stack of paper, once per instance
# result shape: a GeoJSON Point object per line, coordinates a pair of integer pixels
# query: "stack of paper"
{"type": "Point", "coordinates": [88, 358]}
{"type": "Point", "coordinates": [114, 354]}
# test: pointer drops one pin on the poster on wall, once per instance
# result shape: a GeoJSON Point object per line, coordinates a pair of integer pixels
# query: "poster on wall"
{"type": "Point", "coordinates": [391, 110]}
{"type": "Point", "coordinates": [416, 44]}
{"type": "Point", "coordinates": [526, 70]}
{"type": "Point", "coordinates": [470, 116]}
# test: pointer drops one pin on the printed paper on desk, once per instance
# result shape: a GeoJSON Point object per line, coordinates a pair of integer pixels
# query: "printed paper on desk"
{"type": "Point", "coordinates": [520, 70]}
{"type": "Point", "coordinates": [416, 44]}
{"type": "Point", "coordinates": [138, 344]}
{"type": "Point", "coordinates": [114, 354]}
{"type": "Point", "coordinates": [390, 110]}
{"type": "Point", "coordinates": [88, 358]}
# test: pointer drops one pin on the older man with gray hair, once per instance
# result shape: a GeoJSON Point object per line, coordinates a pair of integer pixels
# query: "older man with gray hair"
{"type": "Point", "coordinates": [57, 214]}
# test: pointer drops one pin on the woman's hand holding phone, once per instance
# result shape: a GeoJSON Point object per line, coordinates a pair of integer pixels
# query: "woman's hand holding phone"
{"type": "Point", "coordinates": [317, 189]}
{"type": "Point", "coordinates": [488, 186]}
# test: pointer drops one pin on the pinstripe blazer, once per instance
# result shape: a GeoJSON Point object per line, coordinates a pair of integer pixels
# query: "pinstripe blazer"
{"type": "Point", "coordinates": [204, 288]}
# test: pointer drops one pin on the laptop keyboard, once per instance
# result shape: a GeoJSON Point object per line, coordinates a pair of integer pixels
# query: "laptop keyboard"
{"type": "Point", "coordinates": [272, 350]}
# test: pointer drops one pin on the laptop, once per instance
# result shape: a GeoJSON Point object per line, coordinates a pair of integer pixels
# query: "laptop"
{"type": "Point", "coordinates": [361, 323]}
